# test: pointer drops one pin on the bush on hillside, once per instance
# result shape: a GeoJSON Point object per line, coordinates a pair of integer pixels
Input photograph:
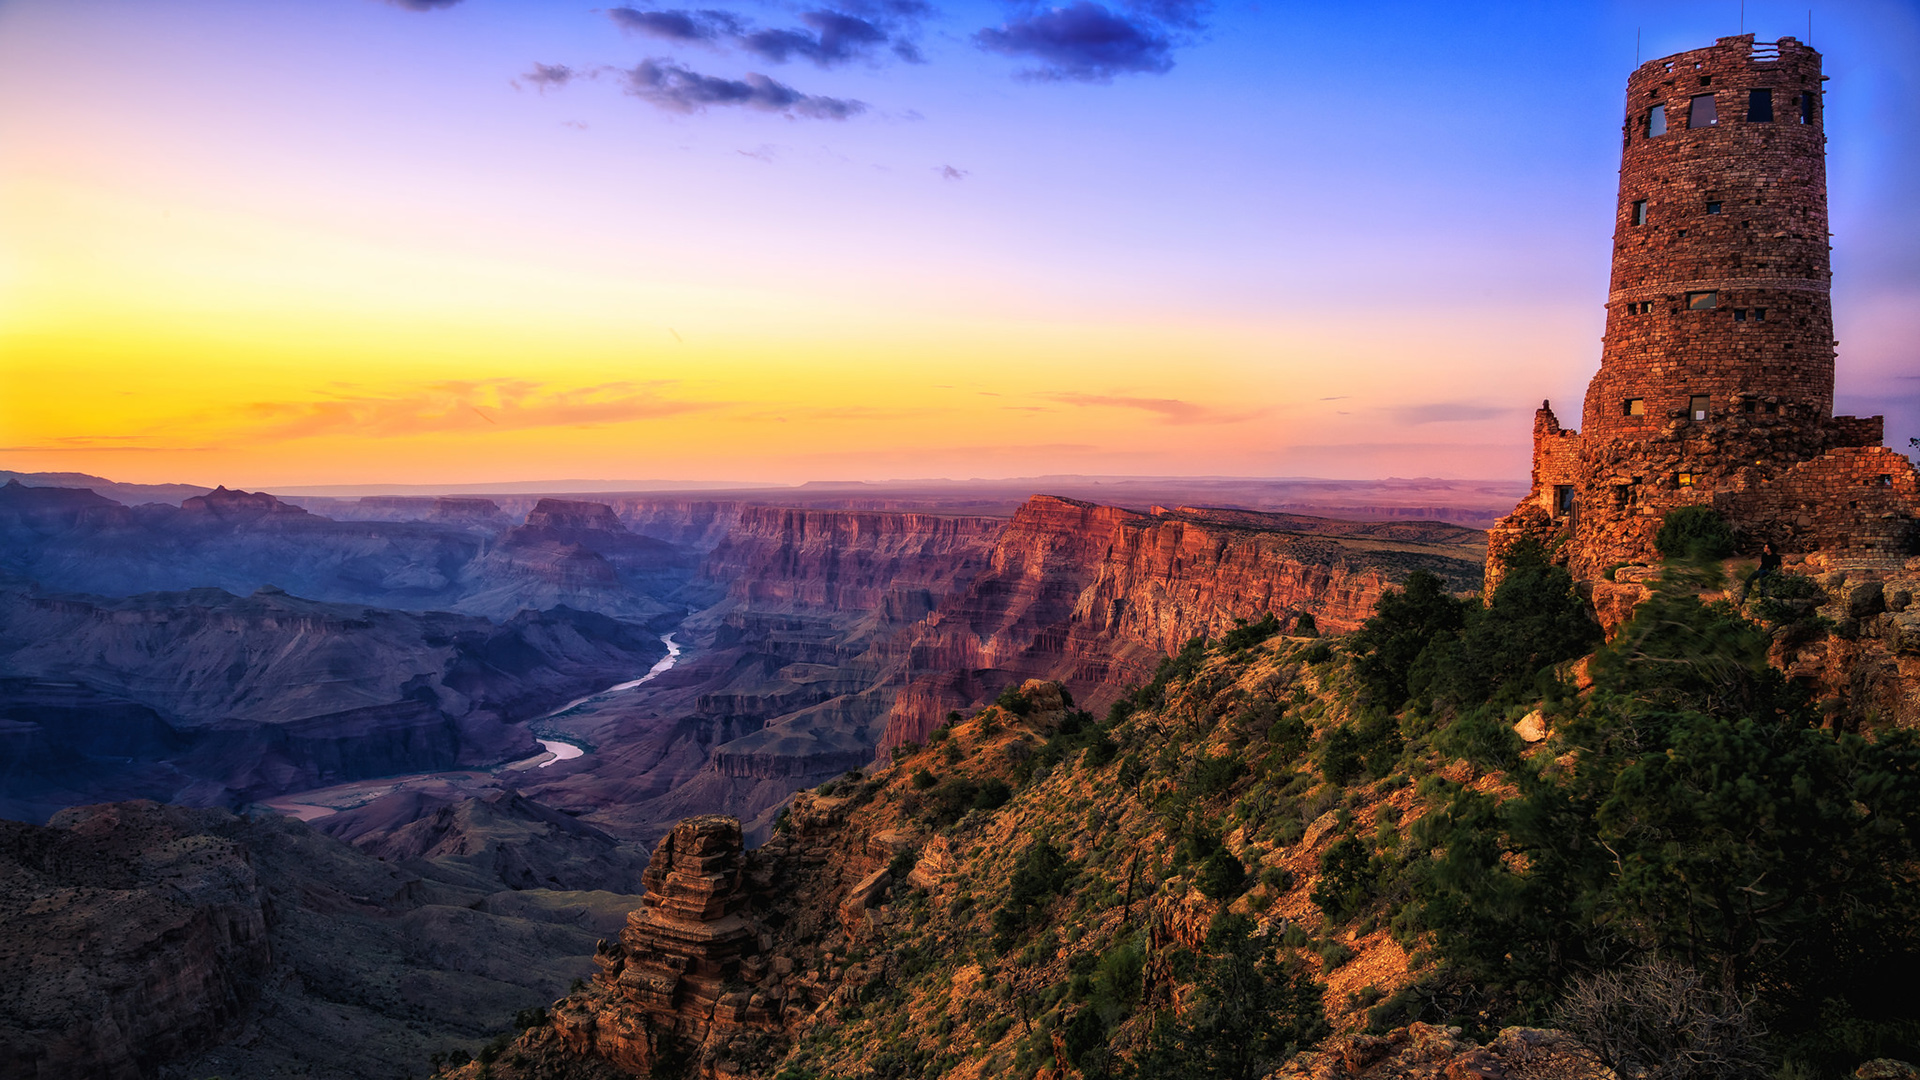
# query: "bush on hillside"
{"type": "Point", "coordinates": [1694, 533]}
{"type": "Point", "coordinates": [1403, 623]}
{"type": "Point", "coordinates": [1534, 621]}
{"type": "Point", "coordinates": [1250, 1012]}
{"type": "Point", "coordinates": [1711, 820]}
{"type": "Point", "coordinates": [1661, 1020]}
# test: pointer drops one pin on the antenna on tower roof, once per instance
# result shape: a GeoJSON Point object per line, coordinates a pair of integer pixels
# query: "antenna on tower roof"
{"type": "Point", "coordinates": [1636, 46]}
{"type": "Point", "coordinates": [1743, 16]}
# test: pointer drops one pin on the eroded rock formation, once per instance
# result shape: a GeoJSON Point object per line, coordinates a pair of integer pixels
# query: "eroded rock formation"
{"type": "Point", "coordinates": [665, 984]}
{"type": "Point", "coordinates": [1094, 596]}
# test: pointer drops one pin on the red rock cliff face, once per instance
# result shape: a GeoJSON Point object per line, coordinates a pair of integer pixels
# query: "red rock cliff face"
{"type": "Point", "coordinates": [888, 564]}
{"type": "Point", "coordinates": [1094, 595]}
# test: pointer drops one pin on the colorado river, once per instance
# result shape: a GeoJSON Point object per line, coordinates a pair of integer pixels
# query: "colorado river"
{"type": "Point", "coordinates": [318, 803]}
{"type": "Point", "coordinates": [566, 751]}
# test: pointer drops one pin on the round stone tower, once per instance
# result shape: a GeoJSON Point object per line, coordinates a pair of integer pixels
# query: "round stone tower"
{"type": "Point", "coordinates": [1718, 354]}
{"type": "Point", "coordinates": [1716, 373]}
{"type": "Point", "coordinates": [1720, 266]}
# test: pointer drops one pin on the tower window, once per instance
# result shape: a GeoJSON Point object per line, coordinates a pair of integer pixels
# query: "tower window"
{"type": "Point", "coordinates": [1697, 406]}
{"type": "Point", "coordinates": [1700, 114]}
{"type": "Point", "coordinates": [1684, 479]}
{"type": "Point", "coordinates": [1713, 207]}
{"type": "Point", "coordinates": [1563, 499]}
{"type": "Point", "coordinates": [1639, 211]}
{"type": "Point", "coordinates": [1702, 301]}
{"type": "Point", "coordinates": [1760, 106]}
{"type": "Point", "coordinates": [1657, 121]}
{"type": "Point", "coordinates": [1739, 314]}
{"type": "Point", "coordinates": [1634, 406]}
{"type": "Point", "coordinates": [1806, 108]}
{"type": "Point", "coordinates": [1759, 314]}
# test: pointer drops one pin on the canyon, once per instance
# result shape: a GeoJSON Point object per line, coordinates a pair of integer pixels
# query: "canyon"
{"type": "Point", "coordinates": [817, 639]}
{"type": "Point", "coordinates": [384, 668]}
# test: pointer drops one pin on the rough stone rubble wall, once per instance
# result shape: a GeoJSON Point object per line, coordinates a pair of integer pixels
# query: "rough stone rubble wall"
{"type": "Point", "coordinates": [1726, 402]}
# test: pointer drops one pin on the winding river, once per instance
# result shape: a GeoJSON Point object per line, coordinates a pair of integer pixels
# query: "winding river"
{"type": "Point", "coordinates": [561, 749]}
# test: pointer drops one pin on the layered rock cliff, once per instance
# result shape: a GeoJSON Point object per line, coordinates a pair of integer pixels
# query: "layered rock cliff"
{"type": "Point", "coordinates": [1095, 595]}
{"type": "Point", "coordinates": [873, 572]}
{"type": "Point", "coordinates": [210, 698]}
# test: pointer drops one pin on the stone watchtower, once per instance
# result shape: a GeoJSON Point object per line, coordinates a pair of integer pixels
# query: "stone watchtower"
{"type": "Point", "coordinates": [1716, 373]}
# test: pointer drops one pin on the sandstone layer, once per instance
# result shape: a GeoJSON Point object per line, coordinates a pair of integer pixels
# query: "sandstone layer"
{"type": "Point", "coordinates": [1095, 596]}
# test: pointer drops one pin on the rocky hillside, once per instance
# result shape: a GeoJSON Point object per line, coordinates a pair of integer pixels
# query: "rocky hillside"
{"type": "Point", "coordinates": [139, 940]}
{"type": "Point", "coordinates": [1386, 855]}
{"type": "Point", "coordinates": [844, 633]}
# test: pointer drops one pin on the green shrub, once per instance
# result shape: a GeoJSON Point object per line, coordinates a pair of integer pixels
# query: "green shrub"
{"type": "Point", "coordinates": [1012, 700]}
{"type": "Point", "coordinates": [992, 794]}
{"type": "Point", "coordinates": [1101, 752]}
{"type": "Point", "coordinates": [1535, 620]}
{"type": "Point", "coordinates": [1213, 774]}
{"type": "Point", "coordinates": [1340, 754]}
{"type": "Point", "coordinates": [922, 779]}
{"type": "Point", "coordinates": [1221, 877]}
{"type": "Point", "coordinates": [1403, 623]}
{"type": "Point", "coordinates": [1245, 635]}
{"type": "Point", "coordinates": [1249, 1012]}
{"type": "Point", "coordinates": [1334, 954]}
{"type": "Point", "coordinates": [1694, 533]}
{"type": "Point", "coordinates": [1347, 879]}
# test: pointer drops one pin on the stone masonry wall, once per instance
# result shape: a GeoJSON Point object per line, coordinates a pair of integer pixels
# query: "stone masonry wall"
{"type": "Point", "coordinates": [1717, 369]}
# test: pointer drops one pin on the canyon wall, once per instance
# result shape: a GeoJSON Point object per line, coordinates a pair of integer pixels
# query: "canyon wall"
{"type": "Point", "coordinates": [1094, 596]}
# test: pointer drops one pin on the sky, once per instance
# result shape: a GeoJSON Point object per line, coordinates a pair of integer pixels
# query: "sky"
{"type": "Point", "coordinates": [291, 242]}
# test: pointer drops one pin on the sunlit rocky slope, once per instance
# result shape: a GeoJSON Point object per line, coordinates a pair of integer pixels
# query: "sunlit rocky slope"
{"type": "Point", "coordinates": [1296, 857]}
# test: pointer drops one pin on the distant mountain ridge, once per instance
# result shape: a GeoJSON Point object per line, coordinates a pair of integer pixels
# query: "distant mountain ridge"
{"type": "Point", "coordinates": [131, 494]}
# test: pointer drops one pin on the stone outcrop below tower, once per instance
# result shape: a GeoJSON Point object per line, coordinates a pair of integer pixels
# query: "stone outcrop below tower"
{"type": "Point", "coordinates": [1717, 370]}
{"type": "Point", "coordinates": [680, 974]}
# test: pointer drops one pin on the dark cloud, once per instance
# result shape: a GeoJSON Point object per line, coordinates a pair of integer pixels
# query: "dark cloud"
{"type": "Point", "coordinates": [670, 86]}
{"type": "Point", "coordinates": [423, 5]}
{"type": "Point", "coordinates": [948, 172]}
{"type": "Point", "coordinates": [706, 25]}
{"type": "Point", "coordinates": [1083, 41]}
{"type": "Point", "coordinates": [829, 36]}
{"type": "Point", "coordinates": [545, 75]}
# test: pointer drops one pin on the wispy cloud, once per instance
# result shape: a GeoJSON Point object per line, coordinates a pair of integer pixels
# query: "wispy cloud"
{"type": "Point", "coordinates": [469, 405]}
{"type": "Point", "coordinates": [679, 89]}
{"type": "Point", "coordinates": [423, 5]}
{"type": "Point", "coordinates": [1171, 410]}
{"type": "Point", "coordinates": [948, 172]}
{"type": "Point", "coordinates": [543, 76]}
{"type": "Point", "coordinates": [706, 26]}
{"type": "Point", "coordinates": [1442, 412]}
